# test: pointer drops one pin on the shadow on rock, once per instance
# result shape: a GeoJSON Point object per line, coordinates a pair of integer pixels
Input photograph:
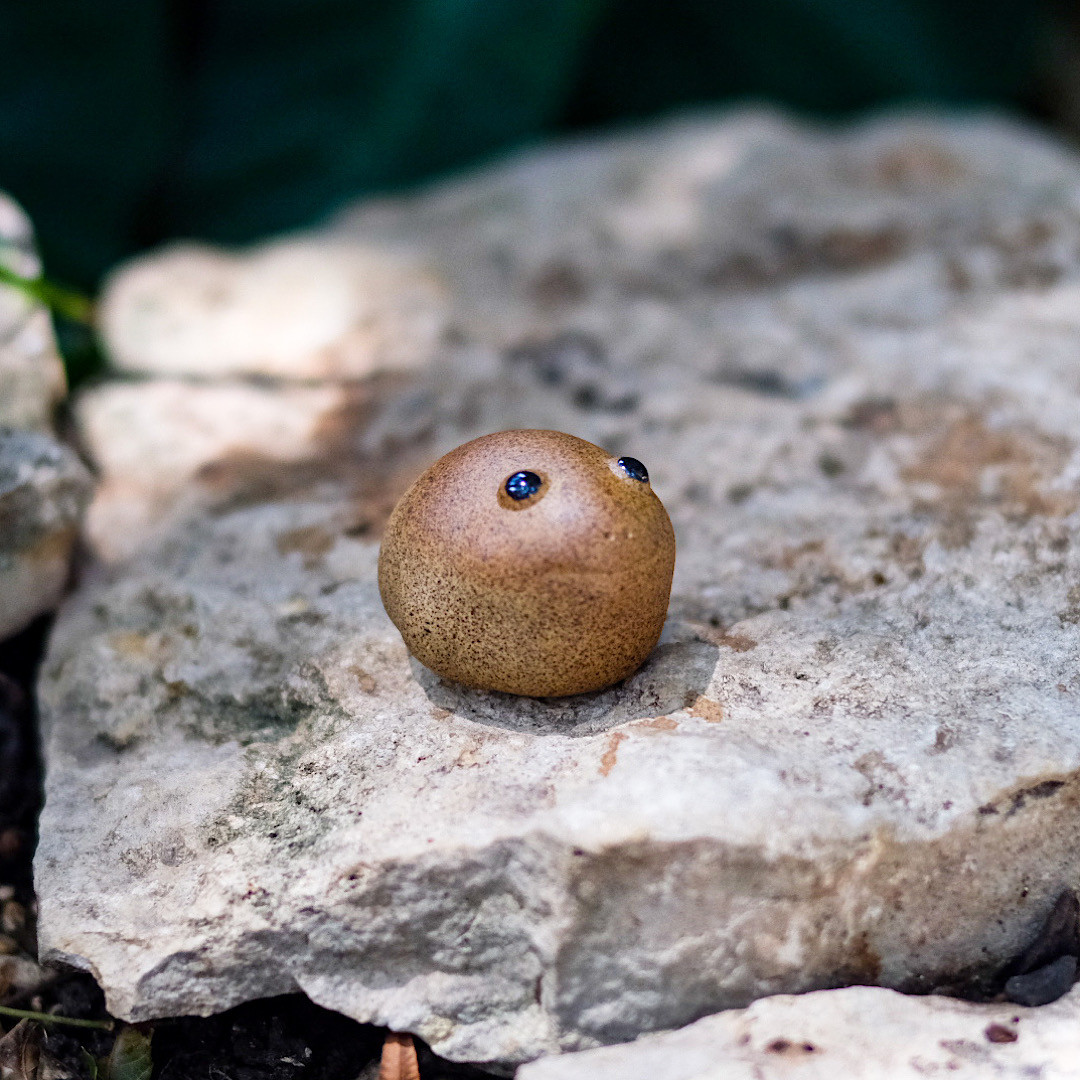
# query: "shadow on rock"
{"type": "Point", "coordinates": [671, 679]}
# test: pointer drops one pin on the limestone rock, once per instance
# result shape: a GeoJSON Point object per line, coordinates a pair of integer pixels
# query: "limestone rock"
{"type": "Point", "coordinates": [848, 360]}
{"type": "Point", "coordinates": [860, 1034]}
{"type": "Point", "coordinates": [43, 491]}
{"type": "Point", "coordinates": [43, 487]}
{"type": "Point", "coordinates": [31, 373]}
{"type": "Point", "coordinates": [290, 309]}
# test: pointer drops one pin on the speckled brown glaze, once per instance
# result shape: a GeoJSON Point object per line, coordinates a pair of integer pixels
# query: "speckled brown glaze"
{"type": "Point", "coordinates": [559, 594]}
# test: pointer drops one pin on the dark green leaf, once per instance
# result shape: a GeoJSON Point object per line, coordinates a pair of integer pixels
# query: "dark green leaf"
{"type": "Point", "coordinates": [129, 1058]}
{"type": "Point", "coordinates": [90, 1062]}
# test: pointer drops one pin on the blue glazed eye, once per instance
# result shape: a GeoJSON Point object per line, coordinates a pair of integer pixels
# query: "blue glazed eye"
{"type": "Point", "coordinates": [523, 485]}
{"type": "Point", "coordinates": [634, 469]}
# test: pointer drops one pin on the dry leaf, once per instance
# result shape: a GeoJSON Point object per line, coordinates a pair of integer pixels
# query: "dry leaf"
{"type": "Point", "coordinates": [398, 1058]}
{"type": "Point", "coordinates": [20, 1051]}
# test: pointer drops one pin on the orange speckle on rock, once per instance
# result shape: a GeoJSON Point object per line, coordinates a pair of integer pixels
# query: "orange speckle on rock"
{"type": "Point", "coordinates": [658, 723]}
{"type": "Point", "coordinates": [366, 683]}
{"type": "Point", "coordinates": [706, 709]}
{"type": "Point", "coordinates": [607, 762]}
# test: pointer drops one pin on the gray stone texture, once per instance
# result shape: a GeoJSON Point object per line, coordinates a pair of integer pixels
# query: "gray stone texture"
{"type": "Point", "coordinates": [43, 492]}
{"type": "Point", "coordinates": [31, 373]}
{"type": "Point", "coordinates": [850, 361]}
{"type": "Point", "coordinates": [43, 486]}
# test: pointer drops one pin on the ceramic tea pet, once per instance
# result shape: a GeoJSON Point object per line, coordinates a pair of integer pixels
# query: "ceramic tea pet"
{"type": "Point", "coordinates": [530, 562]}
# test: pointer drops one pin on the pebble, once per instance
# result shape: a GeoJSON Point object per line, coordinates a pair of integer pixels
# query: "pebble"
{"type": "Point", "coordinates": [1043, 985]}
{"type": "Point", "coordinates": [13, 917]}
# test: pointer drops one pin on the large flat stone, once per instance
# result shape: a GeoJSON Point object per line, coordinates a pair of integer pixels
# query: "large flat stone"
{"type": "Point", "coordinates": [861, 1033]}
{"type": "Point", "coordinates": [849, 362]}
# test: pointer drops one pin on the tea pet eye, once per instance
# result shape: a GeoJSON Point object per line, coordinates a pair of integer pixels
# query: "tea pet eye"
{"type": "Point", "coordinates": [530, 562]}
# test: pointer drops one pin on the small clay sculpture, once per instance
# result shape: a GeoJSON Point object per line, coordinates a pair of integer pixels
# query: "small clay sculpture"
{"type": "Point", "coordinates": [530, 562]}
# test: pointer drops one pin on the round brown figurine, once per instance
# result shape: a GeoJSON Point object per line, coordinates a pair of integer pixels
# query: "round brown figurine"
{"type": "Point", "coordinates": [530, 562]}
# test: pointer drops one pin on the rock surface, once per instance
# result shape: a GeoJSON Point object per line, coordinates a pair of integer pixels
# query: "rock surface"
{"type": "Point", "coordinates": [43, 487]}
{"type": "Point", "coordinates": [849, 360]}
{"type": "Point", "coordinates": [861, 1033]}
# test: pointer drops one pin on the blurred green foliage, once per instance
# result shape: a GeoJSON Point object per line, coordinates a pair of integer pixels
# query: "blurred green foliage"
{"type": "Point", "coordinates": [126, 122]}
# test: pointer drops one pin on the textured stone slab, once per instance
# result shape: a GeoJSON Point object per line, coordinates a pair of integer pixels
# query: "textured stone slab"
{"type": "Point", "coordinates": [859, 1034]}
{"type": "Point", "coordinates": [849, 362]}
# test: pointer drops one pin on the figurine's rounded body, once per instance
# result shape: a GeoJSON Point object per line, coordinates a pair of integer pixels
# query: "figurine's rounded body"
{"type": "Point", "coordinates": [530, 562]}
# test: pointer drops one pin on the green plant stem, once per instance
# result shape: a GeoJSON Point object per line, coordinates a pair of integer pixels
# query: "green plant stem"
{"type": "Point", "coordinates": [66, 302]}
{"type": "Point", "coordinates": [49, 1018]}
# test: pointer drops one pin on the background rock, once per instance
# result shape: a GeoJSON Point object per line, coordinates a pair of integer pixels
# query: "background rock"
{"type": "Point", "coordinates": [43, 492]}
{"type": "Point", "coordinates": [860, 1034]}
{"type": "Point", "coordinates": [31, 372]}
{"type": "Point", "coordinates": [293, 309]}
{"type": "Point", "coordinates": [324, 326]}
{"type": "Point", "coordinates": [849, 361]}
{"type": "Point", "coordinates": [43, 487]}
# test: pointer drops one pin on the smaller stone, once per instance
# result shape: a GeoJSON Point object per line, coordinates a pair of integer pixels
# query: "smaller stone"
{"type": "Point", "coordinates": [293, 310]}
{"type": "Point", "coordinates": [32, 382]}
{"type": "Point", "coordinates": [1044, 984]}
{"type": "Point", "coordinates": [1058, 936]}
{"type": "Point", "coordinates": [188, 445]}
{"type": "Point", "coordinates": [43, 491]}
{"type": "Point", "coordinates": [20, 976]}
{"type": "Point", "coordinates": [13, 917]}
